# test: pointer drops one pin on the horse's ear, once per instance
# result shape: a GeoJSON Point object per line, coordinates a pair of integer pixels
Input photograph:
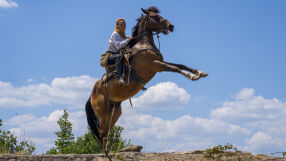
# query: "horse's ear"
{"type": "Point", "coordinates": [145, 11]}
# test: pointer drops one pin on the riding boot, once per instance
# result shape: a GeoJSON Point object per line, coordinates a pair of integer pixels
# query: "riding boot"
{"type": "Point", "coordinates": [119, 68]}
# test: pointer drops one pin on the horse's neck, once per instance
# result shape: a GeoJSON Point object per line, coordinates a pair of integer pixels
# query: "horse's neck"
{"type": "Point", "coordinates": [142, 61]}
{"type": "Point", "coordinates": [147, 39]}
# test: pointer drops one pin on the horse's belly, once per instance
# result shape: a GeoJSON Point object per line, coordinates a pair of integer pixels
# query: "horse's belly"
{"type": "Point", "coordinates": [120, 93]}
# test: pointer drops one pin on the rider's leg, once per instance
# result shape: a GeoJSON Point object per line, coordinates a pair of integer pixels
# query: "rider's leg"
{"type": "Point", "coordinates": [113, 59]}
{"type": "Point", "coordinates": [119, 68]}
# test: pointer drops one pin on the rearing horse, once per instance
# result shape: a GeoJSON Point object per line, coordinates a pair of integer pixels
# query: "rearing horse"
{"type": "Point", "coordinates": [103, 108]}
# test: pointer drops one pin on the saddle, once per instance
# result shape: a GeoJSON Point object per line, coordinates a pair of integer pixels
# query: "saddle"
{"type": "Point", "coordinates": [128, 72]}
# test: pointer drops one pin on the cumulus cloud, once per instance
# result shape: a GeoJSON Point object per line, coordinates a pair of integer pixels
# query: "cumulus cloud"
{"type": "Point", "coordinates": [8, 4]}
{"type": "Point", "coordinates": [48, 123]}
{"type": "Point", "coordinates": [154, 133]}
{"type": "Point", "coordinates": [264, 143]}
{"type": "Point", "coordinates": [41, 130]}
{"type": "Point", "coordinates": [265, 117]}
{"type": "Point", "coordinates": [248, 108]}
{"type": "Point", "coordinates": [72, 91]}
{"type": "Point", "coordinates": [250, 121]}
{"type": "Point", "coordinates": [183, 133]}
{"type": "Point", "coordinates": [163, 95]}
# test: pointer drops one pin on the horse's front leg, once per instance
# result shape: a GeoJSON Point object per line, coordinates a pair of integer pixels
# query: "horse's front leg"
{"type": "Point", "coordinates": [162, 66]}
{"type": "Point", "coordinates": [195, 71]}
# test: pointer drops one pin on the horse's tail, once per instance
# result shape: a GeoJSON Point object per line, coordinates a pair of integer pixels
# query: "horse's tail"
{"type": "Point", "coordinates": [92, 119]}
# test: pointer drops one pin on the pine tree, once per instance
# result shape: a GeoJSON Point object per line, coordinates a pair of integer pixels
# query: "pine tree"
{"type": "Point", "coordinates": [65, 140]}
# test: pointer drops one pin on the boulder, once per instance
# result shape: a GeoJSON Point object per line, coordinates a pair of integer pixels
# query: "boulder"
{"type": "Point", "coordinates": [133, 148]}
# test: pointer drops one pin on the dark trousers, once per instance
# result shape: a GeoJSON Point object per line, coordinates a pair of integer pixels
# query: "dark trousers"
{"type": "Point", "coordinates": [113, 59]}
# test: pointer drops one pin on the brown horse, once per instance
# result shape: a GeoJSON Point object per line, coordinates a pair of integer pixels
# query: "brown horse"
{"type": "Point", "coordinates": [104, 105]}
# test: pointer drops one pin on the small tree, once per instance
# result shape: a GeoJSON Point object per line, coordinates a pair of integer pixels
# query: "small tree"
{"type": "Point", "coordinates": [86, 144]}
{"type": "Point", "coordinates": [65, 141]}
{"type": "Point", "coordinates": [10, 144]}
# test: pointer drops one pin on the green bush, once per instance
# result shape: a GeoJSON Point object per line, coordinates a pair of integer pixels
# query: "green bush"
{"type": "Point", "coordinates": [220, 150]}
{"type": "Point", "coordinates": [10, 145]}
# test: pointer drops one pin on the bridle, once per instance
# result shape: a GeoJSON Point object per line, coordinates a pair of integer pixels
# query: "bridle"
{"type": "Point", "coordinates": [160, 25]}
{"type": "Point", "coordinates": [149, 19]}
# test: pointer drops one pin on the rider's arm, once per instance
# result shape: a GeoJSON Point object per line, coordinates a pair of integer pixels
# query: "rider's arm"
{"type": "Point", "coordinates": [117, 40]}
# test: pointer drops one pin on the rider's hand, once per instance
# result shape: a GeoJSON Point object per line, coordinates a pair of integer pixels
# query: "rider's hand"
{"type": "Point", "coordinates": [130, 38]}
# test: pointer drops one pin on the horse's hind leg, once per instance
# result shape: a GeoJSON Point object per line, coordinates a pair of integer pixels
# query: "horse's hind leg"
{"type": "Point", "coordinates": [104, 129]}
{"type": "Point", "coordinates": [162, 66]}
{"type": "Point", "coordinates": [115, 114]}
{"type": "Point", "coordinates": [183, 67]}
{"type": "Point", "coordinates": [111, 118]}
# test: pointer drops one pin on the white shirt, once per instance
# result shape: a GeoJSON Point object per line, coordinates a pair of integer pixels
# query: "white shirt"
{"type": "Point", "coordinates": [116, 42]}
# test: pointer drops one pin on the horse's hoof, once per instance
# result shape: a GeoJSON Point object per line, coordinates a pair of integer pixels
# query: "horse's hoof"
{"type": "Point", "coordinates": [195, 77]}
{"type": "Point", "coordinates": [201, 74]}
{"type": "Point", "coordinates": [191, 76]}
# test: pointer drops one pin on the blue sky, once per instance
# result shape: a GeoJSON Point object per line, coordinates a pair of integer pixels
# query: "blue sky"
{"type": "Point", "coordinates": [49, 61]}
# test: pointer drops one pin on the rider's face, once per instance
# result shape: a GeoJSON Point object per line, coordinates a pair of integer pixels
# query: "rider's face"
{"type": "Point", "coordinates": [121, 25]}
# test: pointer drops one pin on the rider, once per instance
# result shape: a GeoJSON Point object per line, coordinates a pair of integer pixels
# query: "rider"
{"type": "Point", "coordinates": [117, 41]}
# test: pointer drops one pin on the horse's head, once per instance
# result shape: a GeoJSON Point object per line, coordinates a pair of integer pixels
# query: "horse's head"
{"type": "Point", "coordinates": [155, 22]}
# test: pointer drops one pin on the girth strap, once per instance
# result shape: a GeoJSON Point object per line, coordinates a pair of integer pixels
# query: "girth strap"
{"type": "Point", "coordinates": [133, 75]}
{"type": "Point", "coordinates": [146, 49]}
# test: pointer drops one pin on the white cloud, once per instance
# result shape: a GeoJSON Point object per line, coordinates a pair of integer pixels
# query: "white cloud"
{"type": "Point", "coordinates": [265, 117]}
{"type": "Point", "coordinates": [48, 123]}
{"type": "Point", "coordinates": [183, 133]}
{"type": "Point", "coordinates": [41, 130]}
{"type": "Point", "coordinates": [32, 123]}
{"type": "Point", "coordinates": [72, 91]}
{"type": "Point", "coordinates": [162, 96]}
{"type": "Point", "coordinates": [245, 93]}
{"type": "Point", "coordinates": [154, 133]}
{"type": "Point", "coordinates": [253, 122]}
{"type": "Point", "coordinates": [249, 108]}
{"type": "Point", "coordinates": [264, 143]}
{"type": "Point", "coordinates": [7, 4]}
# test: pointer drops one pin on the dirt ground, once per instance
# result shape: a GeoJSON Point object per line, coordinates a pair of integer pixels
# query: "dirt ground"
{"type": "Point", "coordinates": [139, 156]}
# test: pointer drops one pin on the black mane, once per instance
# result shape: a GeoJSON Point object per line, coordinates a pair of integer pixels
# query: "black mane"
{"type": "Point", "coordinates": [135, 31]}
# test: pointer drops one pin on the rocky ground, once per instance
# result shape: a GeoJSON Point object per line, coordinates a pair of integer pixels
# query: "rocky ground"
{"type": "Point", "coordinates": [139, 156]}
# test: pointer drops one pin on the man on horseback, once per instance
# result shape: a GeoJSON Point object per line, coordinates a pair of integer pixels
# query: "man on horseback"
{"type": "Point", "coordinates": [118, 40]}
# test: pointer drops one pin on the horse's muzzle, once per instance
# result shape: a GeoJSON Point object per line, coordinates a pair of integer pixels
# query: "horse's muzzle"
{"type": "Point", "coordinates": [171, 28]}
